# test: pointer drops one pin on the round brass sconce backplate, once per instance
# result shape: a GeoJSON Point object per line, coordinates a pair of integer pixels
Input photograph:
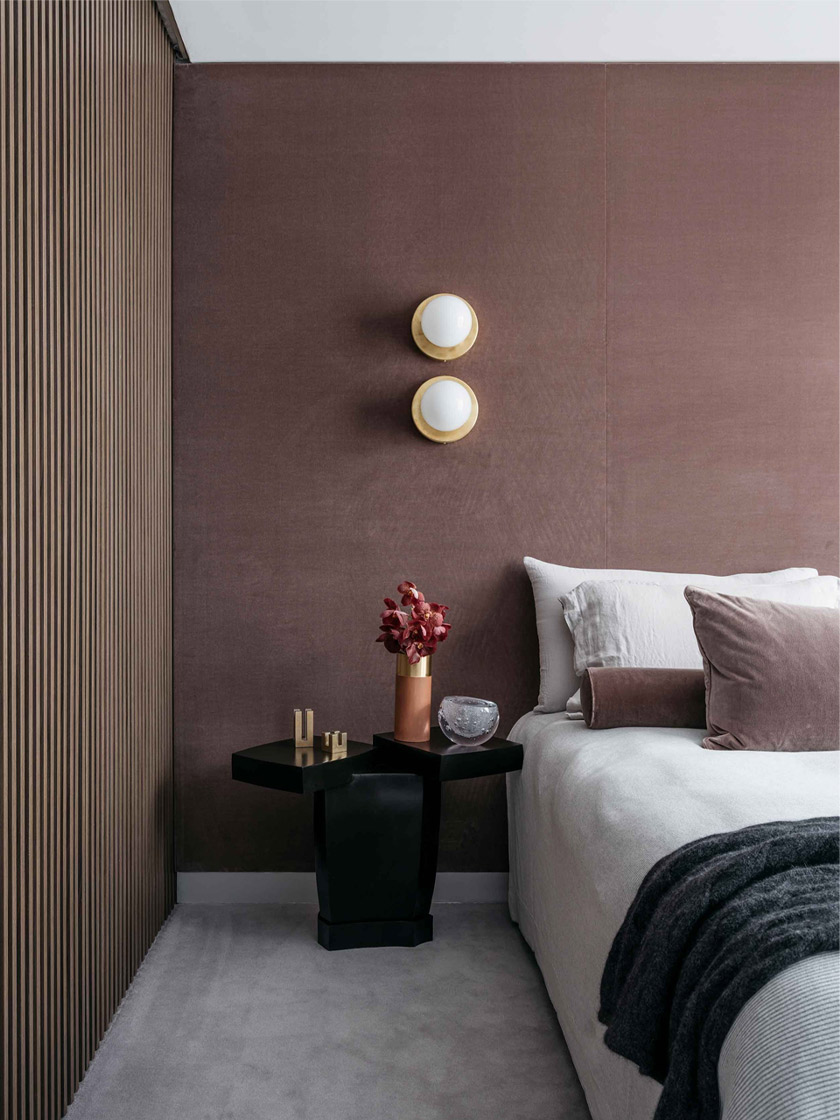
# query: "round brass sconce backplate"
{"type": "Point", "coordinates": [435, 434]}
{"type": "Point", "coordinates": [442, 353]}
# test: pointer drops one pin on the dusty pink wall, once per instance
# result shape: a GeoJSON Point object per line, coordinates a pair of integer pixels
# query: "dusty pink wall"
{"type": "Point", "coordinates": [722, 316]}
{"type": "Point", "coordinates": [652, 253]}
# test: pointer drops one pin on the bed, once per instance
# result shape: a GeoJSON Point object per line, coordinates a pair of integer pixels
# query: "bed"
{"type": "Point", "coordinates": [589, 815]}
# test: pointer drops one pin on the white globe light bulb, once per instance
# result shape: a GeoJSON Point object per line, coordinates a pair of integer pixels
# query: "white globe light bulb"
{"type": "Point", "coordinates": [446, 321]}
{"type": "Point", "coordinates": [446, 405]}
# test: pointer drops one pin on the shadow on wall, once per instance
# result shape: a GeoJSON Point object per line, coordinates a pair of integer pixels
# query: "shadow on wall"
{"type": "Point", "coordinates": [389, 330]}
{"type": "Point", "coordinates": [388, 410]}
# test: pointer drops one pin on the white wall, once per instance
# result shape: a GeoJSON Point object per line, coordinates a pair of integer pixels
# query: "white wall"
{"type": "Point", "coordinates": [509, 30]}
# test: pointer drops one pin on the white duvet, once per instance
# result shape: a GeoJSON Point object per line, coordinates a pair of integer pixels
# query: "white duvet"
{"type": "Point", "coordinates": [589, 815]}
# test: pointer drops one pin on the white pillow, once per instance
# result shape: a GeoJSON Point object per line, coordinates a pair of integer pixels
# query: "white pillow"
{"type": "Point", "coordinates": [550, 581]}
{"type": "Point", "coordinates": [646, 625]}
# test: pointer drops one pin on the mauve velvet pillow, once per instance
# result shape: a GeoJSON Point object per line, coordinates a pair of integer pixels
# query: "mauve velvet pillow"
{"type": "Point", "coordinates": [772, 673]}
{"type": "Point", "coordinates": [623, 697]}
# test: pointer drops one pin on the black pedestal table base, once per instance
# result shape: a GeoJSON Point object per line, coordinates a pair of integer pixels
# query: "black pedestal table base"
{"type": "Point", "coordinates": [377, 821]}
{"type": "Point", "coordinates": [376, 841]}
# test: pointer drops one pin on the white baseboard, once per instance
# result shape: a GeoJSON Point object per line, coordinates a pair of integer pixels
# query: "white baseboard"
{"type": "Point", "coordinates": [299, 886]}
{"type": "Point", "coordinates": [247, 886]}
{"type": "Point", "coordinates": [471, 886]}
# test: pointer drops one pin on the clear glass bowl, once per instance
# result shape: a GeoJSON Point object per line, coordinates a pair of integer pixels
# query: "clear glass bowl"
{"type": "Point", "coordinates": [467, 721]}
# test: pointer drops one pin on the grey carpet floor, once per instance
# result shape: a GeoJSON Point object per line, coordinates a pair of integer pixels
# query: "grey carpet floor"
{"type": "Point", "coordinates": [238, 1014]}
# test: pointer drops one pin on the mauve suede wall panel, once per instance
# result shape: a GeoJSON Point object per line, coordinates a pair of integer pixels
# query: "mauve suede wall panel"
{"type": "Point", "coordinates": [722, 316]}
{"type": "Point", "coordinates": [315, 206]}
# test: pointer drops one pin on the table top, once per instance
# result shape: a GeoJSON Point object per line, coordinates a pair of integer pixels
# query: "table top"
{"type": "Point", "coordinates": [281, 765]}
{"type": "Point", "coordinates": [444, 760]}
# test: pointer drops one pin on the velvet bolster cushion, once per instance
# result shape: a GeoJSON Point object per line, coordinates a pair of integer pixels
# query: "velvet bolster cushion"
{"type": "Point", "coordinates": [772, 673]}
{"type": "Point", "coordinates": [622, 697]}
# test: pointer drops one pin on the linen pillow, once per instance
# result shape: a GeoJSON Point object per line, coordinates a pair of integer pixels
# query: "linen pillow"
{"type": "Point", "coordinates": [772, 673]}
{"type": "Point", "coordinates": [643, 698]}
{"type": "Point", "coordinates": [550, 581]}
{"type": "Point", "coordinates": [647, 625]}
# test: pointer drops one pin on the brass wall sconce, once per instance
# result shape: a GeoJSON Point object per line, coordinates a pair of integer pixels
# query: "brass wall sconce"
{"type": "Point", "coordinates": [444, 327]}
{"type": "Point", "coordinates": [444, 409]}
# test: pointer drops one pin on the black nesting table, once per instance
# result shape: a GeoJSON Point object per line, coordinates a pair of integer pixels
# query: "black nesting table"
{"type": "Point", "coordinates": [377, 821]}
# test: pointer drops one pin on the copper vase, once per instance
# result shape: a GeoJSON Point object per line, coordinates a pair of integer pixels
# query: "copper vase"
{"type": "Point", "coordinates": [413, 699]}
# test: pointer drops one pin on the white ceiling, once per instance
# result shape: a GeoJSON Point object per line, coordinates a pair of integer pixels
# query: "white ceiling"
{"type": "Point", "coordinates": [509, 30]}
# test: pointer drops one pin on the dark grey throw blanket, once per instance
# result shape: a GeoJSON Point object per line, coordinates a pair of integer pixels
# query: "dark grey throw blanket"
{"type": "Point", "coordinates": [710, 925]}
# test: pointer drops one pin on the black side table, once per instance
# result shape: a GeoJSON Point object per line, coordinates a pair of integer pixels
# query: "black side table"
{"type": "Point", "coordinates": [377, 821]}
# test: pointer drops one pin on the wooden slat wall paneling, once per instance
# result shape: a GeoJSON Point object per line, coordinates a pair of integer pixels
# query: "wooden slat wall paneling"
{"type": "Point", "coordinates": [86, 675]}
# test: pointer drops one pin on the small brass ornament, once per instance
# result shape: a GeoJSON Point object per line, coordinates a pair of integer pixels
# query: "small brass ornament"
{"type": "Point", "coordinates": [335, 743]}
{"type": "Point", "coordinates": [307, 740]}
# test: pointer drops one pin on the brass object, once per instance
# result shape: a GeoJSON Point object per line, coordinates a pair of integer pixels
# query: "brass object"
{"type": "Point", "coordinates": [422, 668]}
{"type": "Point", "coordinates": [442, 353]}
{"type": "Point", "coordinates": [301, 739]}
{"type": "Point", "coordinates": [335, 743]}
{"type": "Point", "coordinates": [432, 433]}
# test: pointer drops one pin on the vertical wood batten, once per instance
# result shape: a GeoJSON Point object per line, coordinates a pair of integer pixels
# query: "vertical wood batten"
{"type": "Point", "coordinates": [86, 764]}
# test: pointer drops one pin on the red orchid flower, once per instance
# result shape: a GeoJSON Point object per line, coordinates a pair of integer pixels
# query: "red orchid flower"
{"type": "Point", "coordinates": [417, 632]}
{"type": "Point", "coordinates": [394, 619]}
{"type": "Point", "coordinates": [415, 650]}
{"type": "Point", "coordinates": [409, 593]}
{"type": "Point", "coordinates": [431, 616]}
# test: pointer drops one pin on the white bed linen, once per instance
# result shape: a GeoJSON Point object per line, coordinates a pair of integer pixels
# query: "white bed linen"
{"type": "Point", "coordinates": [589, 815]}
